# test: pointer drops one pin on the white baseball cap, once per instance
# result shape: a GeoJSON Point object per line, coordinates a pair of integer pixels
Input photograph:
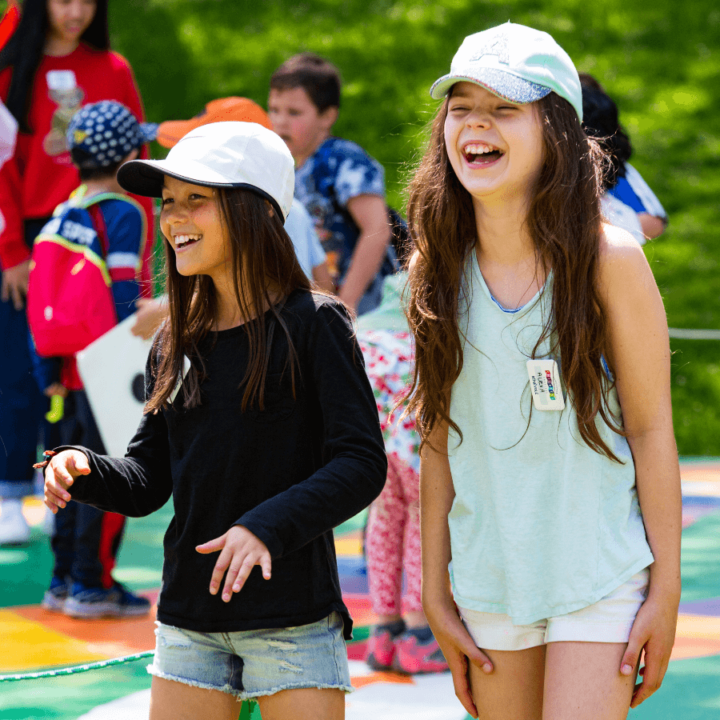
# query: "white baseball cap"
{"type": "Point", "coordinates": [516, 63]}
{"type": "Point", "coordinates": [223, 154]}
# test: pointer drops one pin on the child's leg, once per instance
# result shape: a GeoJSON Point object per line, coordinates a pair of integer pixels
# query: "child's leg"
{"type": "Point", "coordinates": [170, 700]}
{"type": "Point", "coordinates": [412, 561]}
{"type": "Point", "coordinates": [581, 677]}
{"type": "Point", "coordinates": [97, 536]}
{"type": "Point", "coordinates": [514, 690]}
{"type": "Point", "coordinates": [62, 541]}
{"type": "Point", "coordinates": [303, 704]}
{"type": "Point", "coordinates": [384, 546]}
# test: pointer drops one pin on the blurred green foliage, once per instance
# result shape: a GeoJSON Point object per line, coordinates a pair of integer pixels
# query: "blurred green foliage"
{"type": "Point", "coordinates": [660, 61]}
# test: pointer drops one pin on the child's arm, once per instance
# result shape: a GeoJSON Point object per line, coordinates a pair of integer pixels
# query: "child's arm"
{"type": "Point", "coordinates": [640, 358]}
{"type": "Point", "coordinates": [135, 485]}
{"type": "Point", "coordinates": [370, 215]}
{"type": "Point", "coordinates": [436, 498]}
{"type": "Point", "coordinates": [125, 226]}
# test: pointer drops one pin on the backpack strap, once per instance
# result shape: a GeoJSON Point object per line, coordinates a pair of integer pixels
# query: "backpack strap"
{"type": "Point", "coordinates": [99, 223]}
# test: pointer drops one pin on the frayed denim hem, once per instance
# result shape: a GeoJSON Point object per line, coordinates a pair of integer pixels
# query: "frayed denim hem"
{"type": "Point", "coordinates": [227, 689]}
{"type": "Point", "coordinates": [296, 686]}
{"type": "Point", "coordinates": [241, 695]}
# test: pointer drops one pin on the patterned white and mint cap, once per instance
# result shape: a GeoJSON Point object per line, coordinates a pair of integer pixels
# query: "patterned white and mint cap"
{"type": "Point", "coordinates": [516, 63]}
{"type": "Point", "coordinates": [107, 131]}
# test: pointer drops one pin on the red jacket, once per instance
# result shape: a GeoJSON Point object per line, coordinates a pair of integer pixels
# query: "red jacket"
{"type": "Point", "coordinates": [41, 175]}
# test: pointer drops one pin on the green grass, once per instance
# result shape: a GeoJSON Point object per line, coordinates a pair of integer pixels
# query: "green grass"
{"type": "Point", "coordinates": [659, 60]}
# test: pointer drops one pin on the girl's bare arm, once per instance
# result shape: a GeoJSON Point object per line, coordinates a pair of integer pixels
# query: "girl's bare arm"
{"type": "Point", "coordinates": [436, 498]}
{"type": "Point", "coordinates": [640, 358]}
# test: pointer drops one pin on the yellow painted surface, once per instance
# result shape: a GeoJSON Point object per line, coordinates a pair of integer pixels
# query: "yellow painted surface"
{"type": "Point", "coordinates": [28, 645]}
{"type": "Point", "coordinates": [699, 627]}
{"type": "Point", "coordinates": [348, 546]}
{"type": "Point", "coordinates": [34, 510]}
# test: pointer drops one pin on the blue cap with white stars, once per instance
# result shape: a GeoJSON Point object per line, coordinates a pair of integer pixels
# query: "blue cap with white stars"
{"type": "Point", "coordinates": [107, 132]}
{"type": "Point", "coordinates": [516, 63]}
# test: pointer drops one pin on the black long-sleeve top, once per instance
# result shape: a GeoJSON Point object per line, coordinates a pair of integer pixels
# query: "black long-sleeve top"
{"type": "Point", "coordinates": [289, 473]}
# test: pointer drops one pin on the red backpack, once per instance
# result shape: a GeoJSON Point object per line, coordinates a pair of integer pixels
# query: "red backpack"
{"type": "Point", "coordinates": [69, 301]}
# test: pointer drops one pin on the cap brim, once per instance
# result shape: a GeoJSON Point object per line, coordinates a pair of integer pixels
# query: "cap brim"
{"type": "Point", "coordinates": [503, 84]}
{"type": "Point", "coordinates": [171, 132]}
{"type": "Point", "coordinates": [146, 178]}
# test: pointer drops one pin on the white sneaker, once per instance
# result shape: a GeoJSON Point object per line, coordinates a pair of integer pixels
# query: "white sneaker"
{"type": "Point", "coordinates": [14, 529]}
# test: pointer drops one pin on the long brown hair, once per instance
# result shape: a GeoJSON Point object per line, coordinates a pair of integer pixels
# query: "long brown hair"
{"type": "Point", "coordinates": [565, 223]}
{"type": "Point", "coordinates": [265, 265]}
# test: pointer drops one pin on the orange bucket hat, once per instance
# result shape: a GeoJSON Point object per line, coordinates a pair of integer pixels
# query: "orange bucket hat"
{"type": "Point", "coordinates": [220, 110]}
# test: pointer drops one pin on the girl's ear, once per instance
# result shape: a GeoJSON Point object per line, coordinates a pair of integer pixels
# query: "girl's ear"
{"type": "Point", "coordinates": [271, 210]}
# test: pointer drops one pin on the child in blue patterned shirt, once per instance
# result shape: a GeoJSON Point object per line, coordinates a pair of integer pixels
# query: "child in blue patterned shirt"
{"type": "Point", "coordinates": [342, 187]}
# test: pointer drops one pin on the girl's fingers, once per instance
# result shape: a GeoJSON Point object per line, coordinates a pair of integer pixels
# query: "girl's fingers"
{"type": "Point", "coordinates": [632, 653]}
{"type": "Point", "coordinates": [266, 565]}
{"type": "Point", "coordinates": [79, 463]}
{"type": "Point", "coordinates": [212, 546]}
{"type": "Point", "coordinates": [58, 475]}
{"type": "Point", "coordinates": [461, 683]}
{"type": "Point", "coordinates": [221, 566]}
{"type": "Point", "coordinates": [651, 679]}
{"type": "Point", "coordinates": [232, 578]}
{"type": "Point", "coordinates": [51, 500]}
{"type": "Point", "coordinates": [477, 656]}
{"type": "Point", "coordinates": [245, 569]}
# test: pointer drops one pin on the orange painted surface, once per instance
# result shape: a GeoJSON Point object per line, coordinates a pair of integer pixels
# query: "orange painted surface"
{"type": "Point", "coordinates": [700, 472]}
{"type": "Point", "coordinates": [378, 677]}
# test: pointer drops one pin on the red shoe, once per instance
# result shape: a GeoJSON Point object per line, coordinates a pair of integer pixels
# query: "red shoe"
{"type": "Point", "coordinates": [415, 657]}
{"type": "Point", "coordinates": [380, 650]}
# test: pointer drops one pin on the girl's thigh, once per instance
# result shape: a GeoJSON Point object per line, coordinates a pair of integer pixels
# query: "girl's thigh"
{"type": "Point", "coordinates": [514, 690]}
{"type": "Point", "coordinates": [171, 700]}
{"type": "Point", "coordinates": [583, 682]}
{"type": "Point", "coordinates": [303, 704]}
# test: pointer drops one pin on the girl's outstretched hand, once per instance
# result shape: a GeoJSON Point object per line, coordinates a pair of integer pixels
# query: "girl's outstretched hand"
{"type": "Point", "coordinates": [458, 647]}
{"type": "Point", "coordinates": [653, 632]}
{"type": "Point", "coordinates": [60, 473]}
{"type": "Point", "coordinates": [240, 552]}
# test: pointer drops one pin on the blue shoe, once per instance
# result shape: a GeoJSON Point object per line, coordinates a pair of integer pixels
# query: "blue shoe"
{"type": "Point", "coordinates": [96, 602]}
{"type": "Point", "coordinates": [56, 595]}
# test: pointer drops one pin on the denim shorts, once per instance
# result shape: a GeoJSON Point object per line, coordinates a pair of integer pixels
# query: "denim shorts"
{"type": "Point", "coordinates": [609, 620]}
{"type": "Point", "coordinates": [253, 663]}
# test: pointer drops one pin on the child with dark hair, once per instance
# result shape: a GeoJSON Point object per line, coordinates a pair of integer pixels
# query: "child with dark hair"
{"type": "Point", "coordinates": [111, 226]}
{"type": "Point", "coordinates": [549, 480]}
{"type": "Point", "coordinates": [55, 61]}
{"type": "Point", "coordinates": [341, 186]}
{"type": "Point", "coordinates": [261, 425]}
{"type": "Point", "coordinates": [628, 201]}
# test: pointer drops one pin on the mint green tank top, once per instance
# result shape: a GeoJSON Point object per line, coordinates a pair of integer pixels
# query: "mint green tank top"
{"type": "Point", "coordinates": [541, 525]}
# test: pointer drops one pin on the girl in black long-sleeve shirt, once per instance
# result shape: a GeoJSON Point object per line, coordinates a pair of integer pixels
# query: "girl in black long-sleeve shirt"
{"type": "Point", "coordinates": [260, 423]}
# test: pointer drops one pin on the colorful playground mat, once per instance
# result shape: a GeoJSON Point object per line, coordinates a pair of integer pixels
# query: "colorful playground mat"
{"type": "Point", "coordinates": [33, 639]}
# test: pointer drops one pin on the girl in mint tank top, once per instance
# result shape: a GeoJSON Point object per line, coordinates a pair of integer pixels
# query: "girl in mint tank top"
{"type": "Point", "coordinates": [550, 486]}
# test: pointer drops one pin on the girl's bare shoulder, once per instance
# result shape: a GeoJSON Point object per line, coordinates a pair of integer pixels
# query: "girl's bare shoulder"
{"type": "Point", "coordinates": [623, 269]}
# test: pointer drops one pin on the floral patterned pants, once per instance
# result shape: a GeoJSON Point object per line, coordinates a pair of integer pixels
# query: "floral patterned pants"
{"type": "Point", "coordinates": [392, 541]}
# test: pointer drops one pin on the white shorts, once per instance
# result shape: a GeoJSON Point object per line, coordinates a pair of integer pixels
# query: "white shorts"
{"type": "Point", "coordinates": [609, 620]}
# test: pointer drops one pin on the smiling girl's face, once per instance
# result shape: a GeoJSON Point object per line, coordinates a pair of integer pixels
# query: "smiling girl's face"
{"type": "Point", "coordinates": [494, 146]}
{"type": "Point", "coordinates": [69, 19]}
{"type": "Point", "coordinates": [191, 220]}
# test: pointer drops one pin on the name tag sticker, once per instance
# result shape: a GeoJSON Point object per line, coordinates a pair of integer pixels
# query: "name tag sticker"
{"type": "Point", "coordinates": [60, 80]}
{"type": "Point", "coordinates": [545, 385]}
